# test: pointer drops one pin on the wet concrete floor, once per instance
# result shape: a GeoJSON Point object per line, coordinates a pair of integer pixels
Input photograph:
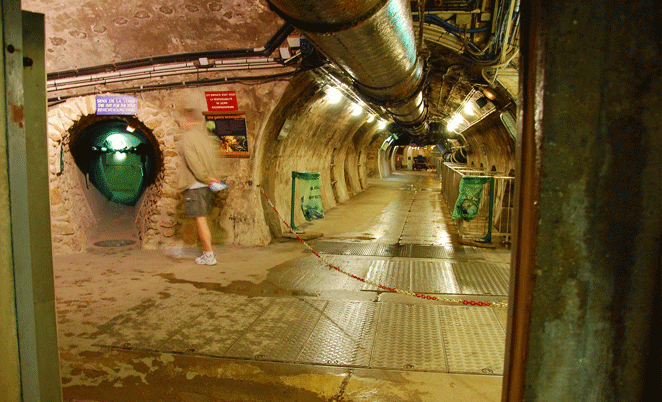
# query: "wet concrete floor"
{"type": "Point", "coordinates": [274, 323]}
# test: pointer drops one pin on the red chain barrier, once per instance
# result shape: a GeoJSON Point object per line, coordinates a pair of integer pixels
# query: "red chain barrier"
{"type": "Point", "coordinates": [380, 286]}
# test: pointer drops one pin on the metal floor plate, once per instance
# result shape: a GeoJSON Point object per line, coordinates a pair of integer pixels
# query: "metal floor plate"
{"type": "Point", "coordinates": [421, 248]}
{"type": "Point", "coordinates": [358, 328]}
{"type": "Point", "coordinates": [343, 336]}
{"type": "Point", "coordinates": [310, 275]}
{"type": "Point", "coordinates": [442, 277]}
{"type": "Point", "coordinates": [281, 332]}
{"type": "Point", "coordinates": [409, 338]}
{"type": "Point", "coordinates": [482, 278]}
{"type": "Point", "coordinates": [434, 277]}
{"type": "Point", "coordinates": [214, 331]}
{"type": "Point", "coordinates": [474, 340]}
{"type": "Point", "coordinates": [417, 337]}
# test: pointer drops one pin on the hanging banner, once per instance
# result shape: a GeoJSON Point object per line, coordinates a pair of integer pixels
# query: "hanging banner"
{"type": "Point", "coordinates": [468, 199]}
{"type": "Point", "coordinates": [311, 197]}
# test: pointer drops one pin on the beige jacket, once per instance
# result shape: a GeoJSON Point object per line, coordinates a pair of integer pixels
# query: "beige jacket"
{"type": "Point", "coordinates": [198, 151]}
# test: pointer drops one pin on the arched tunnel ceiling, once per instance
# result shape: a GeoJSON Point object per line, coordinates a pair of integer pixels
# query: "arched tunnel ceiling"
{"type": "Point", "coordinates": [96, 32]}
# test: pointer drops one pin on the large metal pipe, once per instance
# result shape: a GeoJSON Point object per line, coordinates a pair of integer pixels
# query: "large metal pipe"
{"type": "Point", "coordinates": [373, 42]}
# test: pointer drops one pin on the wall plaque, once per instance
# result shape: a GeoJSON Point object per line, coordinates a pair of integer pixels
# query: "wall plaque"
{"type": "Point", "coordinates": [117, 105]}
{"type": "Point", "coordinates": [230, 127]}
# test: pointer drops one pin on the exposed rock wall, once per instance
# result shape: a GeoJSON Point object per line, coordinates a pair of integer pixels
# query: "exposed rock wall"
{"type": "Point", "coordinates": [236, 216]}
{"type": "Point", "coordinates": [73, 212]}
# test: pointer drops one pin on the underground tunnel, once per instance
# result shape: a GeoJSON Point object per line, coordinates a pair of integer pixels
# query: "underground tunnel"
{"type": "Point", "coordinates": [116, 158]}
{"type": "Point", "coordinates": [549, 99]}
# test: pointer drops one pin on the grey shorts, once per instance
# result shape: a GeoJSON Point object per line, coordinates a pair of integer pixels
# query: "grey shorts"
{"type": "Point", "coordinates": [197, 202]}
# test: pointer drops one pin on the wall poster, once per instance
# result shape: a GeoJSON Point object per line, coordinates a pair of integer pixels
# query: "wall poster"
{"type": "Point", "coordinates": [230, 127]}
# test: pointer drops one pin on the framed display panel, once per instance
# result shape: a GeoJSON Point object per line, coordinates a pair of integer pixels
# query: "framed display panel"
{"type": "Point", "coordinates": [230, 127]}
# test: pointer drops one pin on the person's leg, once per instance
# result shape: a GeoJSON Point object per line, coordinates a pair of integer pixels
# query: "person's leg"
{"type": "Point", "coordinates": [204, 233]}
{"type": "Point", "coordinates": [197, 204]}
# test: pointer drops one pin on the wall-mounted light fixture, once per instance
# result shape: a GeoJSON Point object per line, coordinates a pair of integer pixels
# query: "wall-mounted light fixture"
{"type": "Point", "coordinates": [489, 93]}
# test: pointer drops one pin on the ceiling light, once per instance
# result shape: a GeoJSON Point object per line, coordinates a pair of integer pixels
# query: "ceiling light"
{"type": "Point", "coordinates": [356, 109]}
{"type": "Point", "coordinates": [333, 95]}
{"type": "Point", "coordinates": [371, 118]}
{"type": "Point", "coordinates": [468, 109]}
{"type": "Point", "coordinates": [382, 124]}
{"type": "Point", "coordinates": [454, 122]}
{"type": "Point", "coordinates": [490, 94]}
{"type": "Point", "coordinates": [130, 128]}
{"type": "Point", "coordinates": [116, 141]}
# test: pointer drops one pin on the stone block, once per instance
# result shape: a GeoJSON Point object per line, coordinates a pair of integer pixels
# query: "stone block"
{"type": "Point", "coordinates": [169, 223]}
{"type": "Point", "coordinates": [91, 104]}
{"type": "Point", "coordinates": [71, 111]}
{"type": "Point", "coordinates": [65, 229]}
{"type": "Point", "coordinates": [56, 197]}
{"type": "Point", "coordinates": [153, 123]}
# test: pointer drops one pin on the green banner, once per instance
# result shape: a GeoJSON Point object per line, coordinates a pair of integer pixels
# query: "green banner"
{"type": "Point", "coordinates": [311, 197]}
{"type": "Point", "coordinates": [468, 199]}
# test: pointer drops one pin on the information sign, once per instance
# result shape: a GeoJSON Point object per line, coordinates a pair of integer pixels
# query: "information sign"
{"type": "Point", "coordinates": [117, 105]}
{"type": "Point", "coordinates": [221, 101]}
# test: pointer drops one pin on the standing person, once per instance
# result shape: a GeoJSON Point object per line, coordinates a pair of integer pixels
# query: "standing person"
{"type": "Point", "coordinates": [197, 175]}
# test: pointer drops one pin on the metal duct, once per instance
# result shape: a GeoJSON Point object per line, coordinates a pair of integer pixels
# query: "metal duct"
{"type": "Point", "coordinates": [372, 41]}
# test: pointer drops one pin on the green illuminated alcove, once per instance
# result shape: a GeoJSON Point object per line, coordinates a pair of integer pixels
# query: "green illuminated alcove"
{"type": "Point", "coordinates": [116, 158]}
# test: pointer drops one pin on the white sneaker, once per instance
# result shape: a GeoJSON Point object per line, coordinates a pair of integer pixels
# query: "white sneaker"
{"type": "Point", "coordinates": [206, 259]}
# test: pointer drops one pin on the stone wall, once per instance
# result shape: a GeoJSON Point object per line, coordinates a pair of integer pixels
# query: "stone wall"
{"type": "Point", "coordinates": [236, 216]}
{"type": "Point", "coordinates": [73, 213]}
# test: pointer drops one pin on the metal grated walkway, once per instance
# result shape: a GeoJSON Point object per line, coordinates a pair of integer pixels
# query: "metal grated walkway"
{"type": "Point", "coordinates": [398, 336]}
{"type": "Point", "coordinates": [338, 321]}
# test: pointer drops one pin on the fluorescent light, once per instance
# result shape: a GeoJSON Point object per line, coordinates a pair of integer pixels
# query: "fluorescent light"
{"type": "Point", "coordinates": [356, 109]}
{"type": "Point", "coordinates": [454, 122]}
{"type": "Point", "coordinates": [333, 95]}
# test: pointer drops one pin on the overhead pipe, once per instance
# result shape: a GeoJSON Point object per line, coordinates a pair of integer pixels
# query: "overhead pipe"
{"type": "Point", "coordinates": [265, 51]}
{"type": "Point", "coordinates": [373, 42]}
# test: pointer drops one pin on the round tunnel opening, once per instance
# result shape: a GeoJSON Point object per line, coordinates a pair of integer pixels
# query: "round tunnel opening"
{"type": "Point", "coordinates": [117, 158]}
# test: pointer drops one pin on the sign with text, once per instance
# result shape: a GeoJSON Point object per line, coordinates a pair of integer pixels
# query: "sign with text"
{"type": "Point", "coordinates": [116, 104]}
{"type": "Point", "coordinates": [230, 128]}
{"type": "Point", "coordinates": [221, 101]}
